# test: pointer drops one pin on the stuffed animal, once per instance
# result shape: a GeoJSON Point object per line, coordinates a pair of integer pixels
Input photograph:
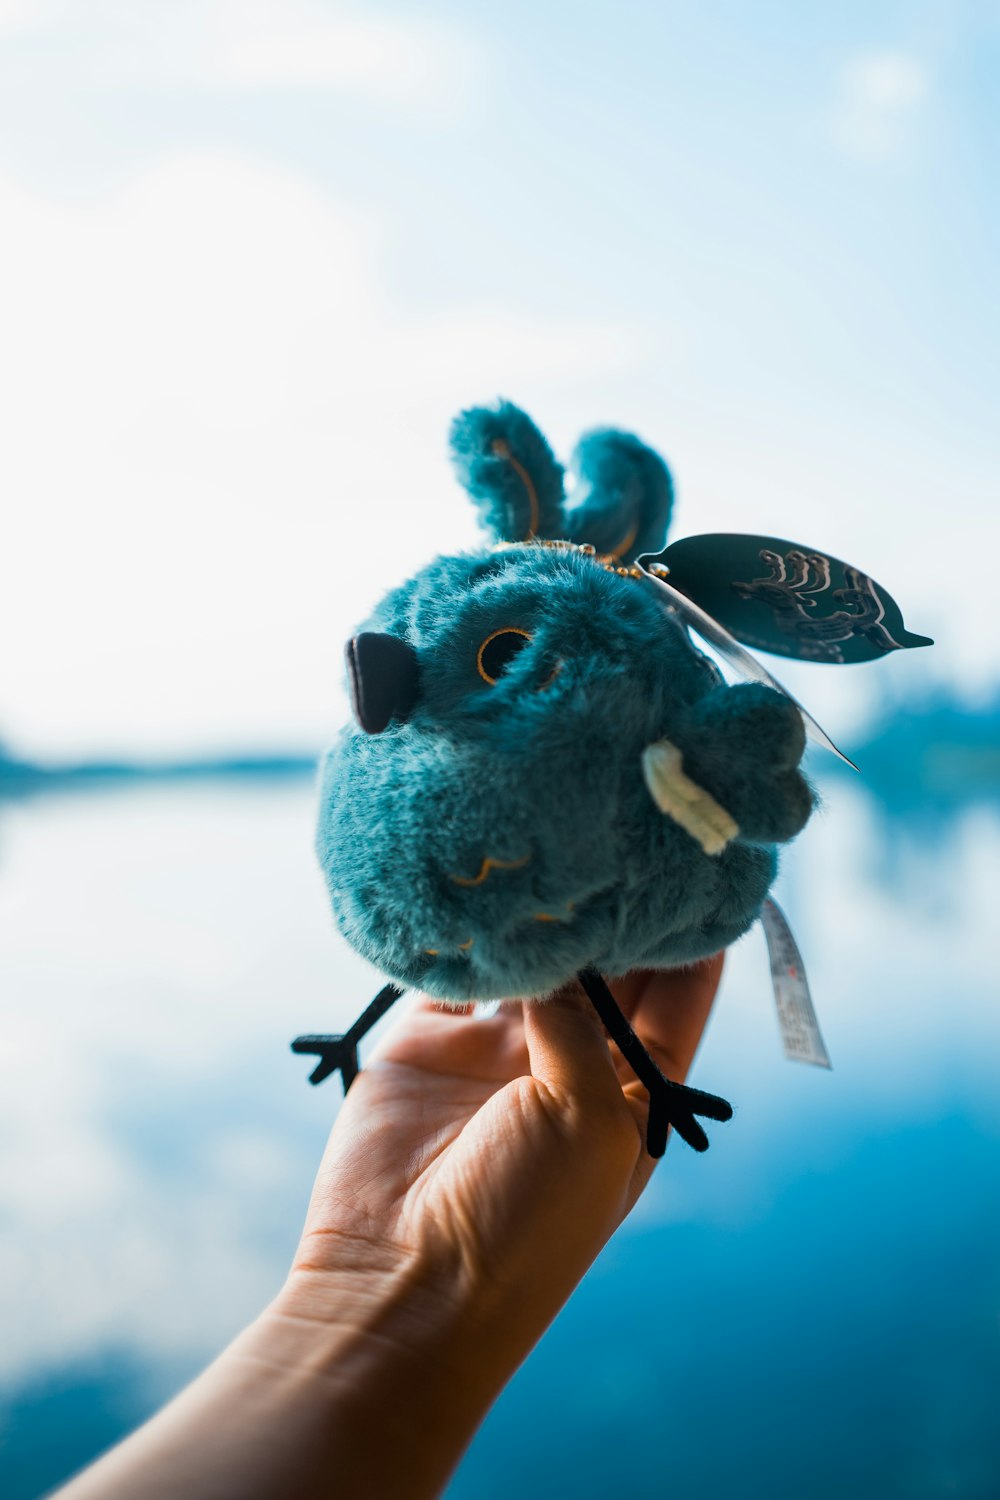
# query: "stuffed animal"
{"type": "Point", "coordinates": [546, 778]}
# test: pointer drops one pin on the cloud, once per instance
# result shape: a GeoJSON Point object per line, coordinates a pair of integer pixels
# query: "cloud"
{"type": "Point", "coordinates": [221, 443]}
{"type": "Point", "coordinates": [21, 15]}
{"type": "Point", "coordinates": [260, 44]}
{"type": "Point", "coordinates": [879, 97]}
{"type": "Point", "coordinates": [308, 45]}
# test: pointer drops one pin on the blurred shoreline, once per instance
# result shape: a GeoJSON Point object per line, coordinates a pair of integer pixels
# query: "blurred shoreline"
{"type": "Point", "coordinates": [21, 778]}
{"type": "Point", "coordinates": [932, 748]}
{"type": "Point", "coordinates": [931, 752]}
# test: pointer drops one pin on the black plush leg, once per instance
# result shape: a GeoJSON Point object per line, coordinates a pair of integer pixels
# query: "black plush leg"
{"type": "Point", "coordinates": [669, 1103]}
{"type": "Point", "coordinates": [340, 1053]}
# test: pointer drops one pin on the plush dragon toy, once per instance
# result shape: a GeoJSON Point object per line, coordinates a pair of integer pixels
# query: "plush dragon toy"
{"type": "Point", "coordinates": [546, 778]}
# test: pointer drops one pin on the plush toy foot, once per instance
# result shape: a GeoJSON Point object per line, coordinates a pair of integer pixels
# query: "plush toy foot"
{"type": "Point", "coordinates": [675, 1104]}
{"type": "Point", "coordinates": [669, 1103]}
{"type": "Point", "coordinates": [339, 1054]}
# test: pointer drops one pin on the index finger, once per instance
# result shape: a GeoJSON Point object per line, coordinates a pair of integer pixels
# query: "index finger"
{"type": "Point", "coordinates": [669, 1010]}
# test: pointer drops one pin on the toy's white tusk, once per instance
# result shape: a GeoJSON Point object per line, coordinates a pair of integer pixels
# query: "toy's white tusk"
{"type": "Point", "coordinates": [684, 800]}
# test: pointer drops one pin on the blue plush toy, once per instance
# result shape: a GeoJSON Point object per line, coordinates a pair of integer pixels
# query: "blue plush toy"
{"type": "Point", "coordinates": [546, 778]}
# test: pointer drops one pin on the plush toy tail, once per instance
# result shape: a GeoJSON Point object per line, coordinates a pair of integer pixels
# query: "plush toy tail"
{"type": "Point", "coordinates": [508, 468]}
{"type": "Point", "coordinates": [625, 495]}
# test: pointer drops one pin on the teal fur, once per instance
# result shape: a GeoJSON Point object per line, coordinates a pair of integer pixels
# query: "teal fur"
{"type": "Point", "coordinates": [625, 495]}
{"type": "Point", "coordinates": [541, 772]}
{"type": "Point", "coordinates": [622, 496]}
{"type": "Point", "coordinates": [493, 448]}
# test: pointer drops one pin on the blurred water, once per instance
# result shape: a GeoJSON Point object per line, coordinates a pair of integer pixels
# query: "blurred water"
{"type": "Point", "coordinates": [811, 1307]}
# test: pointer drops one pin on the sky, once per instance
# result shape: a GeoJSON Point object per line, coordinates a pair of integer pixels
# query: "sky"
{"type": "Point", "coordinates": [256, 253]}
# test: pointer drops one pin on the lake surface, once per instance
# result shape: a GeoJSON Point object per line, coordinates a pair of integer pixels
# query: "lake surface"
{"type": "Point", "coordinates": [813, 1308]}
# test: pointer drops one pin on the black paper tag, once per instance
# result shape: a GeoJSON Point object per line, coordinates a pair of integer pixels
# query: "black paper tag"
{"type": "Point", "coordinates": [742, 661]}
{"type": "Point", "coordinates": [791, 600]}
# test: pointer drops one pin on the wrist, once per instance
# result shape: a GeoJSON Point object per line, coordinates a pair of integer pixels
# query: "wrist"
{"type": "Point", "coordinates": [384, 1361]}
{"type": "Point", "coordinates": [386, 1320]}
{"type": "Point", "coordinates": [383, 1304]}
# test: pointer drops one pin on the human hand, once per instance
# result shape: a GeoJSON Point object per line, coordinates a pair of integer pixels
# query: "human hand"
{"type": "Point", "coordinates": [498, 1153]}
{"type": "Point", "coordinates": [475, 1170]}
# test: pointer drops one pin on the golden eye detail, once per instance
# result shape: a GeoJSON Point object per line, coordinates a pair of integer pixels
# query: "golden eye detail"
{"type": "Point", "coordinates": [498, 651]}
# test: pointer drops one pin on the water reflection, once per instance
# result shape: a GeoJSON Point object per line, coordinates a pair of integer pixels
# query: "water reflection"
{"type": "Point", "coordinates": [811, 1307]}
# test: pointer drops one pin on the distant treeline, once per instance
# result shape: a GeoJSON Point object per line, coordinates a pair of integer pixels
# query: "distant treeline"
{"type": "Point", "coordinates": [22, 778]}
{"type": "Point", "coordinates": [936, 749]}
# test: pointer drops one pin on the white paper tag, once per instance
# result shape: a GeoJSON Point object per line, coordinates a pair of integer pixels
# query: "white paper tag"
{"type": "Point", "coordinates": [800, 1033]}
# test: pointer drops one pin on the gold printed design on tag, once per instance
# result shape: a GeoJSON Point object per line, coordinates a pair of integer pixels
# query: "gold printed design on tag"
{"type": "Point", "coordinates": [790, 590]}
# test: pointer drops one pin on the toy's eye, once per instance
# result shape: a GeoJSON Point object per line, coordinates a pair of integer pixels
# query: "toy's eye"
{"type": "Point", "coordinates": [498, 651]}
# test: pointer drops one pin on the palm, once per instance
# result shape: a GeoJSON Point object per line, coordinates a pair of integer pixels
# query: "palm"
{"type": "Point", "coordinates": [454, 1134]}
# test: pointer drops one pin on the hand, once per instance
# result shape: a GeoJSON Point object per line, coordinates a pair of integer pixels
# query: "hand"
{"type": "Point", "coordinates": [497, 1153]}
{"type": "Point", "coordinates": [475, 1170]}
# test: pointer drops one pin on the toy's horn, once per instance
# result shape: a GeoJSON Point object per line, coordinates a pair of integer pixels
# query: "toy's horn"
{"type": "Point", "coordinates": [682, 799]}
{"type": "Point", "coordinates": [383, 674]}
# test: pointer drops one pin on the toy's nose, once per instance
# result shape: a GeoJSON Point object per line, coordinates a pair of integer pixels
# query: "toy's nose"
{"type": "Point", "coordinates": [383, 673]}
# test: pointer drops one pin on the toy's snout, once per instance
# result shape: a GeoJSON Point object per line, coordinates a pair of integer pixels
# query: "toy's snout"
{"type": "Point", "coordinates": [383, 673]}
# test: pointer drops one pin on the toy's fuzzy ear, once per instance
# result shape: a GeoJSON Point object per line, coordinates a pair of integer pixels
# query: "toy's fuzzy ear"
{"type": "Point", "coordinates": [508, 468]}
{"type": "Point", "coordinates": [623, 495]}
